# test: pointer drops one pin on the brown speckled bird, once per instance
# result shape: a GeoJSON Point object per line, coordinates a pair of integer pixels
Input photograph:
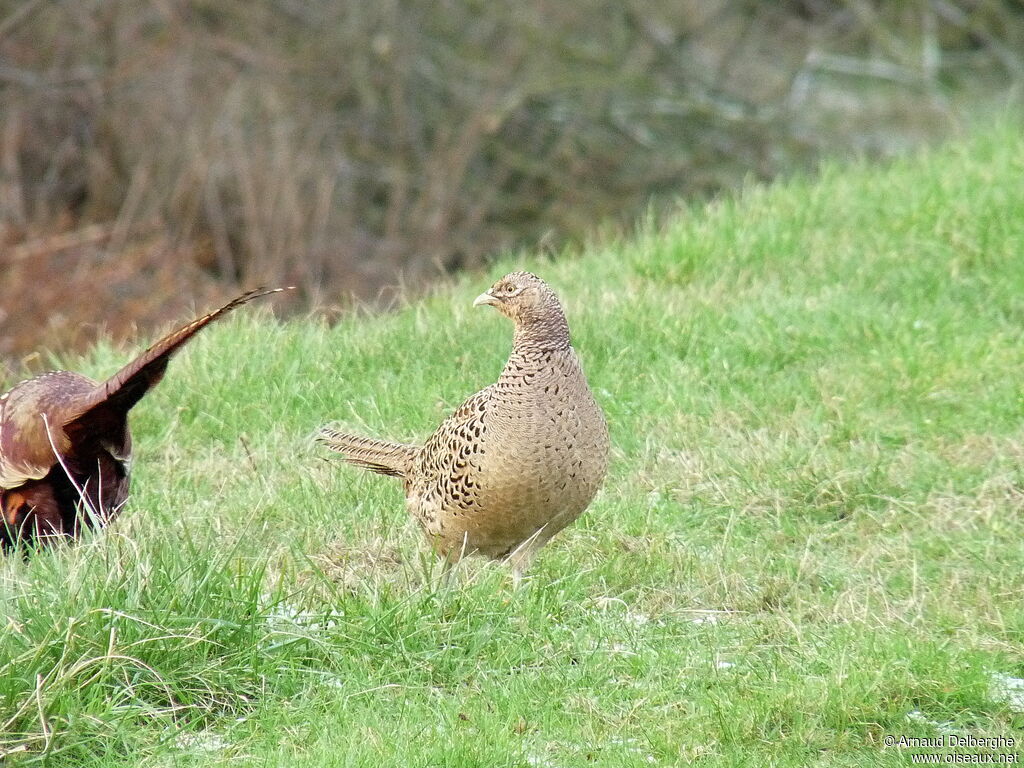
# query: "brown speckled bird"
{"type": "Point", "coordinates": [65, 446]}
{"type": "Point", "coordinates": [519, 460]}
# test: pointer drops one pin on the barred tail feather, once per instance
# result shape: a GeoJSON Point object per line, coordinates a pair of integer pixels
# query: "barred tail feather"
{"type": "Point", "coordinates": [380, 456]}
{"type": "Point", "coordinates": [111, 400]}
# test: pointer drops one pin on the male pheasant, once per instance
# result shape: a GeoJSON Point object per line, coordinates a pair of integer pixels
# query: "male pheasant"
{"type": "Point", "coordinates": [519, 460]}
{"type": "Point", "coordinates": [65, 446]}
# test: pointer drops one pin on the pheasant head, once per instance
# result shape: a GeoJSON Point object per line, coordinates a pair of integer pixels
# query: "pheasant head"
{"type": "Point", "coordinates": [531, 305]}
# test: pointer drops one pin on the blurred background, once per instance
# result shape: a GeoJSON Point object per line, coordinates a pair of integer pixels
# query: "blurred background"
{"type": "Point", "coordinates": [157, 155]}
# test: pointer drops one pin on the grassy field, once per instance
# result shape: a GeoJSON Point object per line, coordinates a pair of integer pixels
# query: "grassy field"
{"type": "Point", "coordinates": [811, 537]}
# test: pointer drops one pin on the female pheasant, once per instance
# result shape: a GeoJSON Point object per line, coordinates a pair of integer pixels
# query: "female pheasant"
{"type": "Point", "coordinates": [519, 460]}
{"type": "Point", "coordinates": [65, 447]}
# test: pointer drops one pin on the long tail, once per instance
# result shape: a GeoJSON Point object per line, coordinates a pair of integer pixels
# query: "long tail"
{"type": "Point", "coordinates": [116, 396]}
{"type": "Point", "coordinates": [380, 456]}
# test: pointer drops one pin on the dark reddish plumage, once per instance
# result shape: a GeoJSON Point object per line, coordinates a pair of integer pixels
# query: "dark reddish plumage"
{"type": "Point", "coordinates": [65, 447]}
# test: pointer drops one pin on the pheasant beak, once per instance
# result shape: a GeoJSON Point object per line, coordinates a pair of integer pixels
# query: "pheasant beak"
{"type": "Point", "coordinates": [484, 298]}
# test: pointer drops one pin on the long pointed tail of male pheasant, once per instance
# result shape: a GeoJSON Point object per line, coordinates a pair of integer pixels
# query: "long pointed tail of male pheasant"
{"type": "Point", "coordinates": [118, 394]}
{"type": "Point", "coordinates": [380, 456]}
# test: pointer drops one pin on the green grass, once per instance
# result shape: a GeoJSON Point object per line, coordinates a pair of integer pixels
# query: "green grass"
{"type": "Point", "coordinates": [810, 538]}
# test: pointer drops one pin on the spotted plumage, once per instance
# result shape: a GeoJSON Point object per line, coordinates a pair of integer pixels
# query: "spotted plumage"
{"type": "Point", "coordinates": [519, 460]}
{"type": "Point", "coordinates": [65, 446]}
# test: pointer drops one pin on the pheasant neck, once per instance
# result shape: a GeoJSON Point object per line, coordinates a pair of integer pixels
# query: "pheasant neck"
{"type": "Point", "coordinates": [550, 332]}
